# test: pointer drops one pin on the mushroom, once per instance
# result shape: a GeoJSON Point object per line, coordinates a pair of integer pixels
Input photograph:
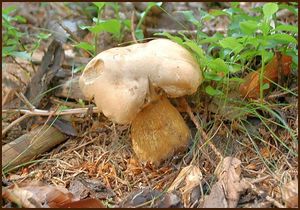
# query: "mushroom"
{"type": "Point", "coordinates": [131, 85]}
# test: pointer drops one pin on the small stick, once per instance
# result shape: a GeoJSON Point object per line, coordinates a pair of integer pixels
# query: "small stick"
{"type": "Point", "coordinates": [276, 95]}
{"type": "Point", "coordinates": [6, 97]}
{"type": "Point", "coordinates": [39, 112]}
{"type": "Point", "coordinates": [25, 100]}
{"type": "Point", "coordinates": [197, 124]}
{"type": "Point", "coordinates": [20, 119]}
{"type": "Point", "coordinates": [73, 36]}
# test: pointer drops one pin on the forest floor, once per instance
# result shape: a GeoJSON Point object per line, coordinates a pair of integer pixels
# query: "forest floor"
{"type": "Point", "coordinates": [256, 153]}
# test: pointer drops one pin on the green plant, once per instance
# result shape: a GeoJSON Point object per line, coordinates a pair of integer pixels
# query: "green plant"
{"type": "Point", "coordinates": [224, 57]}
{"type": "Point", "coordinates": [115, 26]}
{"type": "Point", "coordinates": [11, 44]}
{"type": "Point", "coordinates": [247, 37]}
{"type": "Point", "coordinates": [138, 31]}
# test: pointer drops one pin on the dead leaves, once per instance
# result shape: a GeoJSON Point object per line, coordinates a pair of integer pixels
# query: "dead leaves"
{"type": "Point", "coordinates": [39, 195]}
{"type": "Point", "coordinates": [279, 66]}
{"type": "Point", "coordinates": [290, 194]}
{"type": "Point", "coordinates": [188, 182]}
{"type": "Point", "coordinates": [226, 192]}
{"type": "Point", "coordinates": [150, 198]}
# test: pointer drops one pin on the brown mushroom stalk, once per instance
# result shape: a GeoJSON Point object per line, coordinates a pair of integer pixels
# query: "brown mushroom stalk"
{"type": "Point", "coordinates": [131, 85]}
{"type": "Point", "coordinates": [158, 131]}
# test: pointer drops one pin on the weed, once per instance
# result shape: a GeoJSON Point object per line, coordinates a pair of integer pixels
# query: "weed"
{"type": "Point", "coordinates": [115, 26]}
{"type": "Point", "coordinates": [11, 44]}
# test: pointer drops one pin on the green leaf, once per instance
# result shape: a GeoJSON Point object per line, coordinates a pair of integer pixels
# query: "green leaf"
{"type": "Point", "coordinates": [219, 13]}
{"type": "Point", "coordinates": [213, 92]}
{"type": "Point", "coordinates": [85, 46]}
{"type": "Point", "coordinates": [194, 47]}
{"type": "Point", "coordinates": [289, 28]}
{"type": "Point", "coordinates": [235, 68]}
{"type": "Point", "coordinates": [282, 38]}
{"type": "Point", "coordinates": [216, 37]}
{"type": "Point", "coordinates": [266, 86]}
{"type": "Point", "coordinates": [127, 23]}
{"type": "Point", "coordinates": [248, 55]}
{"type": "Point", "coordinates": [237, 79]}
{"type": "Point", "coordinates": [231, 43]}
{"type": "Point", "coordinates": [218, 65]}
{"type": "Point", "coordinates": [212, 76]}
{"type": "Point", "coordinates": [268, 55]}
{"type": "Point", "coordinates": [176, 39]}
{"type": "Point", "coordinates": [265, 27]}
{"type": "Point", "coordinates": [249, 27]}
{"type": "Point", "coordinates": [139, 34]}
{"type": "Point", "coordinates": [20, 19]}
{"type": "Point", "coordinates": [112, 26]}
{"type": "Point", "coordinates": [43, 36]}
{"type": "Point", "coordinates": [8, 10]}
{"type": "Point", "coordinates": [234, 4]}
{"type": "Point", "coordinates": [8, 50]}
{"type": "Point", "coordinates": [269, 9]}
{"type": "Point", "coordinates": [100, 5]}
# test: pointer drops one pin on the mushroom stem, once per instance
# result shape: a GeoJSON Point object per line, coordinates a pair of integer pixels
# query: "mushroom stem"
{"type": "Point", "coordinates": [158, 131]}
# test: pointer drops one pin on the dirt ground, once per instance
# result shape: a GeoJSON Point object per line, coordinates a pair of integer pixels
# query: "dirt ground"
{"type": "Point", "coordinates": [96, 159]}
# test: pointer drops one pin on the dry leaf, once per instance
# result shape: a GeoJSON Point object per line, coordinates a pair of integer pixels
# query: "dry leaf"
{"type": "Point", "coordinates": [86, 203]}
{"type": "Point", "coordinates": [147, 197]}
{"type": "Point", "coordinates": [279, 66]}
{"type": "Point", "coordinates": [36, 194]}
{"type": "Point", "coordinates": [216, 198]}
{"type": "Point", "coordinates": [188, 182]}
{"type": "Point", "coordinates": [290, 194]}
{"type": "Point", "coordinates": [229, 182]}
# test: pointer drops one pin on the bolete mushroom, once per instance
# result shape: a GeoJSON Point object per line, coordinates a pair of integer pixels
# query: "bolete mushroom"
{"type": "Point", "coordinates": [131, 85]}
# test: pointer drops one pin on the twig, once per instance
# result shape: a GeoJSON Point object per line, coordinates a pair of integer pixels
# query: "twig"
{"type": "Point", "coordinates": [198, 126]}
{"type": "Point", "coordinates": [73, 36]}
{"type": "Point", "coordinates": [20, 119]}
{"type": "Point", "coordinates": [6, 97]}
{"type": "Point", "coordinates": [132, 28]}
{"type": "Point", "coordinates": [276, 95]}
{"type": "Point", "coordinates": [22, 67]}
{"type": "Point", "coordinates": [39, 112]}
{"type": "Point", "coordinates": [25, 100]}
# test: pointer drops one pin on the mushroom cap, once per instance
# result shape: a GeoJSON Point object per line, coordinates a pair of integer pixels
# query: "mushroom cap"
{"type": "Point", "coordinates": [119, 78]}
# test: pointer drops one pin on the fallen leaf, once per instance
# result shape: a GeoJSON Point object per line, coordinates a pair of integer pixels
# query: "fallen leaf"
{"type": "Point", "coordinates": [216, 198]}
{"type": "Point", "coordinates": [290, 194]}
{"type": "Point", "coordinates": [188, 182]}
{"type": "Point", "coordinates": [36, 194]}
{"type": "Point", "coordinates": [150, 198]}
{"type": "Point", "coordinates": [86, 203]}
{"type": "Point", "coordinates": [94, 188]}
{"type": "Point", "coordinates": [229, 186]}
{"type": "Point", "coordinates": [279, 66]}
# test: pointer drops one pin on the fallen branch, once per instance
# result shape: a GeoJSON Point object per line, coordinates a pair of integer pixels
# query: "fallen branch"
{"type": "Point", "coordinates": [29, 145]}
